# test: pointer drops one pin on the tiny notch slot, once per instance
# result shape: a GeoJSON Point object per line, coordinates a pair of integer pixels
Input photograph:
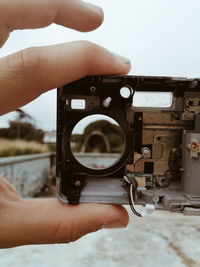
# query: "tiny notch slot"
{"type": "Point", "coordinates": [78, 104]}
{"type": "Point", "coordinates": [149, 167]}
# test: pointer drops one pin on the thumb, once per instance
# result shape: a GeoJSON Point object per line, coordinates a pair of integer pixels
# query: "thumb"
{"type": "Point", "coordinates": [48, 221]}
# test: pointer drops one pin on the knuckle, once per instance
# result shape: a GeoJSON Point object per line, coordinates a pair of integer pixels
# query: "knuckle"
{"type": "Point", "coordinates": [26, 64]}
{"type": "Point", "coordinates": [29, 59]}
{"type": "Point", "coordinates": [60, 236]}
{"type": "Point", "coordinates": [97, 60]}
{"type": "Point", "coordinates": [90, 50]}
{"type": "Point", "coordinates": [21, 63]}
{"type": "Point", "coordinates": [89, 46]}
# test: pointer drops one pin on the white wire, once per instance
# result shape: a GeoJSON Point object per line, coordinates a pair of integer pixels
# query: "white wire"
{"type": "Point", "coordinates": [132, 202]}
{"type": "Point", "coordinates": [125, 178]}
{"type": "Point", "coordinates": [131, 194]}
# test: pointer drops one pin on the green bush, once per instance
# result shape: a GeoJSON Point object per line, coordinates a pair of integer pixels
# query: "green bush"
{"type": "Point", "coordinates": [22, 130]}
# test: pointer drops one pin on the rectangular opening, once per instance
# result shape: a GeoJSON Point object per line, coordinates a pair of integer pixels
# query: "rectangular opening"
{"type": "Point", "coordinates": [148, 167]}
{"type": "Point", "coordinates": [78, 104]}
{"type": "Point", "coordinates": [152, 99]}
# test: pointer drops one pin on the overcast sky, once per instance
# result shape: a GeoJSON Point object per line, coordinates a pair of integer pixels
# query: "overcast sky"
{"type": "Point", "coordinates": [159, 37]}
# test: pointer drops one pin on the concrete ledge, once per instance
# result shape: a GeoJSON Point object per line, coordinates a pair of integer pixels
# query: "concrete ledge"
{"type": "Point", "coordinates": [97, 160]}
{"type": "Point", "coordinates": [24, 158]}
{"type": "Point", "coordinates": [27, 173]}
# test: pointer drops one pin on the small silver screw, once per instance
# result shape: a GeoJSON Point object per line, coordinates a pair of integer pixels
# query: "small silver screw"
{"type": "Point", "coordinates": [93, 89]}
{"type": "Point", "coordinates": [78, 183]}
{"type": "Point", "coordinates": [145, 150]}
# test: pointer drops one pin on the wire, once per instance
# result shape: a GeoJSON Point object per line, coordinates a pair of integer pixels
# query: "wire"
{"type": "Point", "coordinates": [132, 202]}
{"type": "Point", "coordinates": [125, 178]}
{"type": "Point", "coordinates": [130, 197]}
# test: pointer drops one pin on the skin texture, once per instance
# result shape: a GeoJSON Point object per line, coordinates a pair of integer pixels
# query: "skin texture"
{"type": "Point", "coordinates": [27, 74]}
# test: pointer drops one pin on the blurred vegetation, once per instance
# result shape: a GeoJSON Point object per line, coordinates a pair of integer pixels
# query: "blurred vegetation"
{"type": "Point", "coordinates": [21, 137]}
{"type": "Point", "coordinates": [10, 148]}
{"type": "Point", "coordinates": [76, 138]}
{"type": "Point", "coordinates": [105, 127]}
{"type": "Point", "coordinates": [22, 130]}
{"type": "Point", "coordinates": [96, 143]}
{"type": "Point", "coordinates": [51, 147]}
{"type": "Point", "coordinates": [23, 127]}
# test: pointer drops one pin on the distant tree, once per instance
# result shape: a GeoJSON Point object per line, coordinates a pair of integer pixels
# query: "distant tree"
{"type": "Point", "coordinates": [104, 126]}
{"type": "Point", "coordinates": [4, 132]}
{"type": "Point", "coordinates": [22, 128]}
{"type": "Point", "coordinates": [112, 132]}
{"type": "Point", "coordinates": [76, 138]}
{"type": "Point", "coordinates": [24, 117]}
{"type": "Point", "coordinates": [27, 131]}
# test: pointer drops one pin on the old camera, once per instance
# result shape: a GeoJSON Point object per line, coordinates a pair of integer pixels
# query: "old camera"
{"type": "Point", "coordinates": [110, 150]}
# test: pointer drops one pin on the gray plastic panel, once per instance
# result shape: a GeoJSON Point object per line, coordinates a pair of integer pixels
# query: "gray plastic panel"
{"type": "Point", "coordinates": [102, 190]}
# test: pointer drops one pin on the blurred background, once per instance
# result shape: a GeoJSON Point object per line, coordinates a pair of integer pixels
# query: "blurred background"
{"type": "Point", "coordinates": [161, 38]}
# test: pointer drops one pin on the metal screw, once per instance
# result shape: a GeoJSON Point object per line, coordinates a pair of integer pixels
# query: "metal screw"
{"type": "Point", "coordinates": [194, 147]}
{"type": "Point", "coordinates": [93, 89]}
{"type": "Point", "coordinates": [78, 183]}
{"type": "Point", "coordinates": [145, 150]}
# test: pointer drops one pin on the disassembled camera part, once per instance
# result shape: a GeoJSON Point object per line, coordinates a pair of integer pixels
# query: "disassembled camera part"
{"type": "Point", "coordinates": [110, 149]}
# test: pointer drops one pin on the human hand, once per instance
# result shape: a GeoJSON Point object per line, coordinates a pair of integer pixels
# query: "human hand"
{"type": "Point", "coordinates": [46, 221]}
{"type": "Point", "coordinates": [28, 73]}
{"type": "Point", "coordinates": [23, 77]}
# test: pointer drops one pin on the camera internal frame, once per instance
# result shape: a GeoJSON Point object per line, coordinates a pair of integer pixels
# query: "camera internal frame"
{"type": "Point", "coordinates": [161, 137]}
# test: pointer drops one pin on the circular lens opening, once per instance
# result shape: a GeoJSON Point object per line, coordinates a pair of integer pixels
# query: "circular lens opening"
{"type": "Point", "coordinates": [97, 142]}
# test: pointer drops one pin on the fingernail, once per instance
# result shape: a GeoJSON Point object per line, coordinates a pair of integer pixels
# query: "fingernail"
{"type": "Point", "coordinates": [122, 59]}
{"type": "Point", "coordinates": [112, 225]}
{"type": "Point", "coordinates": [95, 7]}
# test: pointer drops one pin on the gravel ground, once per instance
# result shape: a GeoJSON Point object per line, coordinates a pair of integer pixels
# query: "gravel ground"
{"type": "Point", "coordinates": [162, 239]}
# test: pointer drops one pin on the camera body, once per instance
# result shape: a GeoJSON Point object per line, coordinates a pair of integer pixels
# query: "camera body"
{"type": "Point", "coordinates": [151, 157]}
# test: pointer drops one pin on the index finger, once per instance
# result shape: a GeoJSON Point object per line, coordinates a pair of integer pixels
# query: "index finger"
{"type": "Point", "coordinates": [27, 74]}
{"type": "Point", "coordinates": [26, 14]}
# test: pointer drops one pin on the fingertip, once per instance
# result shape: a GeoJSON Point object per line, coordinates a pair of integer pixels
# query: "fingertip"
{"type": "Point", "coordinates": [95, 19]}
{"type": "Point", "coordinates": [124, 63]}
{"type": "Point", "coordinates": [118, 217]}
{"type": "Point", "coordinates": [101, 61]}
{"type": "Point", "coordinates": [122, 59]}
{"type": "Point", "coordinates": [97, 9]}
{"type": "Point", "coordinates": [96, 216]}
